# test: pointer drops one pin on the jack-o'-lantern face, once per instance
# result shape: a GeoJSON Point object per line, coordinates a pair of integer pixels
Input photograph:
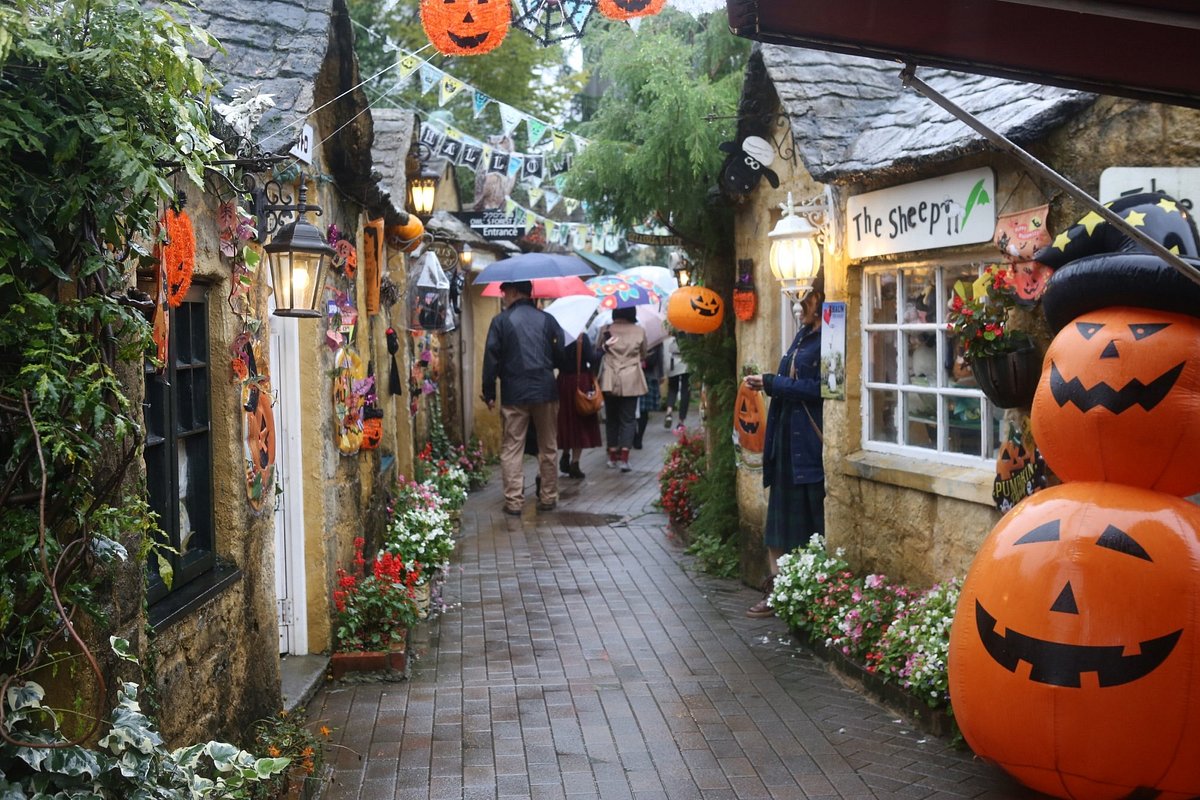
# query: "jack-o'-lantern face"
{"type": "Point", "coordinates": [465, 27]}
{"type": "Point", "coordinates": [372, 433]}
{"type": "Point", "coordinates": [260, 434]}
{"type": "Point", "coordinates": [1119, 400]}
{"type": "Point", "coordinates": [628, 9]}
{"type": "Point", "coordinates": [1012, 459]}
{"type": "Point", "coordinates": [749, 420]}
{"type": "Point", "coordinates": [1074, 638]}
{"type": "Point", "coordinates": [695, 309]}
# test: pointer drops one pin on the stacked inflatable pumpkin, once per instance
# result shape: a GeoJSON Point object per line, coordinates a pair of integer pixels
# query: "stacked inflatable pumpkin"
{"type": "Point", "coordinates": [1074, 648]}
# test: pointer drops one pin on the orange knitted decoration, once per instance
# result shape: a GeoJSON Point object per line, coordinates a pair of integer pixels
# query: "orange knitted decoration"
{"type": "Point", "coordinates": [178, 254]}
{"type": "Point", "coordinates": [745, 301]}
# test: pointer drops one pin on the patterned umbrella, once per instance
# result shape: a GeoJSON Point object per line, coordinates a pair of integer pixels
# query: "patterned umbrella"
{"type": "Point", "coordinates": [615, 292]}
{"type": "Point", "coordinates": [550, 21]}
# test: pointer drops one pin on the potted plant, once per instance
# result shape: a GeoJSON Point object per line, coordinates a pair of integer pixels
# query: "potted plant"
{"type": "Point", "coordinates": [420, 530]}
{"type": "Point", "coordinates": [374, 609]}
{"type": "Point", "coordinates": [1004, 361]}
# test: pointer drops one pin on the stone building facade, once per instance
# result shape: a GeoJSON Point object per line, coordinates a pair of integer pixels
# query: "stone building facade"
{"type": "Point", "coordinates": [909, 472]}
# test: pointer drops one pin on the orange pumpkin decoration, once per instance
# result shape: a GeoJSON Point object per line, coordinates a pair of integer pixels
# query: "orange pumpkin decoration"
{"type": "Point", "coordinates": [346, 258]}
{"type": "Point", "coordinates": [1119, 400]}
{"type": "Point", "coordinates": [465, 27]}
{"type": "Point", "coordinates": [1075, 644]}
{"type": "Point", "coordinates": [750, 419]}
{"type": "Point", "coordinates": [260, 434]}
{"type": "Point", "coordinates": [745, 302]}
{"type": "Point", "coordinates": [628, 9]}
{"type": "Point", "coordinates": [406, 237]}
{"type": "Point", "coordinates": [372, 433]}
{"type": "Point", "coordinates": [695, 309]}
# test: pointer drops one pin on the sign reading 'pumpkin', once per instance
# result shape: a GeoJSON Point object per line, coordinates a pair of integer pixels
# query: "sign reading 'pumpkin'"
{"type": "Point", "coordinates": [1074, 652]}
{"type": "Point", "coordinates": [749, 419]}
{"type": "Point", "coordinates": [695, 309]}
{"type": "Point", "coordinates": [465, 27]}
{"type": "Point", "coordinates": [1119, 400]}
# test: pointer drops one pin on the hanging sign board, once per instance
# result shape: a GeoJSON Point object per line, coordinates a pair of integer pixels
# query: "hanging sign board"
{"type": "Point", "coordinates": [1181, 183]}
{"type": "Point", "coordinates": [940, 212]}
{"type": "Point", "coordinates": [303, 148]}
{"type": "Point", "coordinates": [494, 225]}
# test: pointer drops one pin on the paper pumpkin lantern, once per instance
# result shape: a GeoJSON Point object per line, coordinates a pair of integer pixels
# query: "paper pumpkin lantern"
{"type": "Point", "coordinates": [465, 27]}
{"type": "Point", "coordinates": [628, 9]}
{"type": "Point", "coordinates": [372, 433]}
{"type": "Point", "coordinates": [1119, 400]}
{"type": "Point", "coordinates": [695, 309]}
{"type": "Point", "coordinates": [750, 419]}
{"type": "Point", "coordinates": [1074, 648]}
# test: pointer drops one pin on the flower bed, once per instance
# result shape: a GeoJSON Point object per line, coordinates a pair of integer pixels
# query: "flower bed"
{"type": "Point", "coordinates": [679, 476]}
{"type": "Point", "coordinates": [895, 635]}
{"type": "Point", "coordinates": [375, 607]}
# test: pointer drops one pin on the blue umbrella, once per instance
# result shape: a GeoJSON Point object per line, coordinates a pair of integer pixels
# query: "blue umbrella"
{"type": "Point", "coordinates": [529, 266]}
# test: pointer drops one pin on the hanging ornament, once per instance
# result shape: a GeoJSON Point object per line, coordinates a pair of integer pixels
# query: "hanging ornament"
{"type": "Point", "coordinates": [177, 253]}
{"type": "Point", "coordinates": [465, 29]}
{"type": "Point", "coordinates": [393, 346]}
{"type": "Point", "coordinates": [629, 9]}
{"type": "Point", "coordinates": [551, 21]}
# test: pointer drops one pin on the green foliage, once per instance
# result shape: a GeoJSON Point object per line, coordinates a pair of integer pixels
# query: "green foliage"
{"type": "Point", "coordinates": [129, 762]}
{"type": "Point", "coordinates": [290, 737]}
{"type": "Point", "coordinates": [512, 73]}
{"type": "Point", "coordinates": [94, 98]}
{"type": "Point", "coordinates": [652, 151]}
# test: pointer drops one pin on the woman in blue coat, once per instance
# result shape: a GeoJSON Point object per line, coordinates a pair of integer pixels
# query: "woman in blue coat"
{"type": "Point", "coordinates": [792, 466]}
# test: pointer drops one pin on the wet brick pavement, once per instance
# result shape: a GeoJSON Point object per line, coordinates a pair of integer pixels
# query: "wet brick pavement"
{"type": "Point", "coordinates": [581, 657]}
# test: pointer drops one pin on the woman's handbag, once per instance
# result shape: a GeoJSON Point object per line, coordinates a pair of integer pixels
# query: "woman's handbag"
{"type": "Point", "coordinates": [587, 399]}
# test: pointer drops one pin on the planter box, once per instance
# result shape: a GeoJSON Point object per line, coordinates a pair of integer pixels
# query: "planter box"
{"type": "Point", "coordinates": [936, 721]}
{"type": "Point", "coordinates": [342, 663]}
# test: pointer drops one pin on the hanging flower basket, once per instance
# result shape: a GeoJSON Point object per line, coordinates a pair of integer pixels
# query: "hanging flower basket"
{"type": "Point", "coordinates": [1009, 379]}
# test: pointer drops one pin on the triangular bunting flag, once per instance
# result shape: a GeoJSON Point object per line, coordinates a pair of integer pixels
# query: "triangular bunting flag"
{"type": "Point", "coordinates": [559, 138]}
{"type": "Point", "coordinates": [537, 129]}
{"type": "Point", "coordinates": [430, 75]}
{"type": "Point", "coordinates": [480, 101]}
{"type": "Point", "coordinates": [510, 205]}
{"type": "Point", "coordinates": [570, 203]}
{"type": "Point", "coordinates": [510, 118]}
{"type": "Point", "coordinates": [551, 230]}
{"type": "Point", "coordinates": [515, 163]}
{"type": "Point", "coordinates": [408, 65]}
{"type": "Point", "coordinates": [448, 89]}
{"type": "Point", "coordinates": [431, 137]}
{"type": "Point", "coordinates": [498, 163]}
{"type": "Point", "coordinates": [530, 218]}
{"type": "Point", "coordinates": [533, 169]}
{"type": "Point", "coordinates": [452, 146]}
{"type": "Point", "coordinates": [485, 160]}
{"type": "Point", "coordinates": [552, 199]}
{"type": "Point", "coordinates": [535, 193]}
{"type": "Point", "coordinates": [471, 156]}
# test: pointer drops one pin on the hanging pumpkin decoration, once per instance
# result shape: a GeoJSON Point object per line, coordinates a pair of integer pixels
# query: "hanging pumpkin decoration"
{"type": "Point", "coordinates": [695, 309]}
{"type": "Point", "coordinates": [629, 9]}
{"type": "Point", "coordinates": [372, 433]}
{"type": "Point", "coordinates": [260, 434]}
{"type": "Point", "coordinates": [1076, 643]}
{"type": "Point", "coordinates": [406, 237]}
{"type": "Point", "coordinates": [347, 403]}
{"type": "Point", "coordinates": [177, 254]}
{"type": "Point", "coordinates": [1119, 400]}
{"type": "Point", "coordinates": [745, 300]}
{"type": "Point", "coordinates": [465, 27]}
{"type": "Point", "coordinates": [345, 258]}
{"type": "Point", "coordinates": [750, 419]}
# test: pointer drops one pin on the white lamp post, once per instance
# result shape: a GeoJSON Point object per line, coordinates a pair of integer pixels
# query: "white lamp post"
{"type": "Point", "coordinates": [795, 251]}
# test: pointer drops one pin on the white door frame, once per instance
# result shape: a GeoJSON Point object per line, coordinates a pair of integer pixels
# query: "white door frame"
{"type": "Point", "coordinates": [289, 512]}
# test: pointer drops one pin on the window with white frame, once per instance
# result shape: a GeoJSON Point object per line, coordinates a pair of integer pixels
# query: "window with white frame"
{"type": "Point", "coordinates": [919, 396]}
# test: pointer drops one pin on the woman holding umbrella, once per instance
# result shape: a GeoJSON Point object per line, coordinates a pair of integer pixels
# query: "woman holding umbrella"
{"type": "Point", "coordinates": [576, 431]}
{"type": "Point", "coordinates": [623, 345]}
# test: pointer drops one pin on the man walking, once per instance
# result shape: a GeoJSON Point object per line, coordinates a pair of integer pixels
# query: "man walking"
{"type": "Point", "coordinates": [524, 346]}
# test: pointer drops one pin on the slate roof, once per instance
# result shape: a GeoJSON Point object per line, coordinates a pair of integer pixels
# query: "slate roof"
{"type": "Point", "coordinates": [393, 138]}
{"type": "Point", "coordinates": [277, 45]}
{"type": "Point", "coordinates": [851, 116]}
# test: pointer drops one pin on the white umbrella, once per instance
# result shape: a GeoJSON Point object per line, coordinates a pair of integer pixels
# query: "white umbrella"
{"type": "Point", "coordinates": [573, 312]}
{"type": "Point", "coordinates": [652, 320]}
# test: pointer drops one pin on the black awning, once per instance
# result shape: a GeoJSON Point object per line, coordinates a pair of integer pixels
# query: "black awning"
{"type": "Point", "coordinates": [1143, 49]}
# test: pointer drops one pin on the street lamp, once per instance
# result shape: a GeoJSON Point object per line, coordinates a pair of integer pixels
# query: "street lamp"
{"type": "Point", "coordinates": [298, 254]}
{"type": "Point", "coordinates": [465, 256]}
{"type": "Point", "coordinates": [421, 191]}
{"type": "Point", "coordinates": [795, 249]}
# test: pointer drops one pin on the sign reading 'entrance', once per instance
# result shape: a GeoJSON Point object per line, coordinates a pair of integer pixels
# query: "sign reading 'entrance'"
{"type": "Point", "coordinates": [493, 225]}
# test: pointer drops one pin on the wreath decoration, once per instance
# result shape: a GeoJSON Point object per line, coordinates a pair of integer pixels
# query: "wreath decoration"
{"type": "Point", "coordinates": [177, 254]}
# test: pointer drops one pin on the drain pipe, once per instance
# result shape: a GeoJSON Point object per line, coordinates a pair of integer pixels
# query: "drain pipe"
{"type": "Point", "coordinates": [909, 78]}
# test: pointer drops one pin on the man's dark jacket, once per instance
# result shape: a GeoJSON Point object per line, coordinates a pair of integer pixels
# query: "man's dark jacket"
{"type": "Point", "coordinates": [524, 345]}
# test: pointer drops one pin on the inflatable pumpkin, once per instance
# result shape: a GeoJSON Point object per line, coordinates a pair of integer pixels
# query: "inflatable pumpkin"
{"type": "Point", "coordinates": [465, 27]}
{"type": "Point", "coordinates": [1074, 646]}
{"type": "Point", "coordinates": [406, 237]}
{"type": "Point", "coordinates": [628, 9]}
{"type": "Point", "coordinates": [695, 309]}
{"type": "Point", "coordinates": [750, 419]}
{"type": "Point", "coordinates": [1119, 400]}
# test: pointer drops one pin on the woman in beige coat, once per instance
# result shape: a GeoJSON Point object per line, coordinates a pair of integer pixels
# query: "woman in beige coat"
{"type": "Point", "coordinates": [622, 381]}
